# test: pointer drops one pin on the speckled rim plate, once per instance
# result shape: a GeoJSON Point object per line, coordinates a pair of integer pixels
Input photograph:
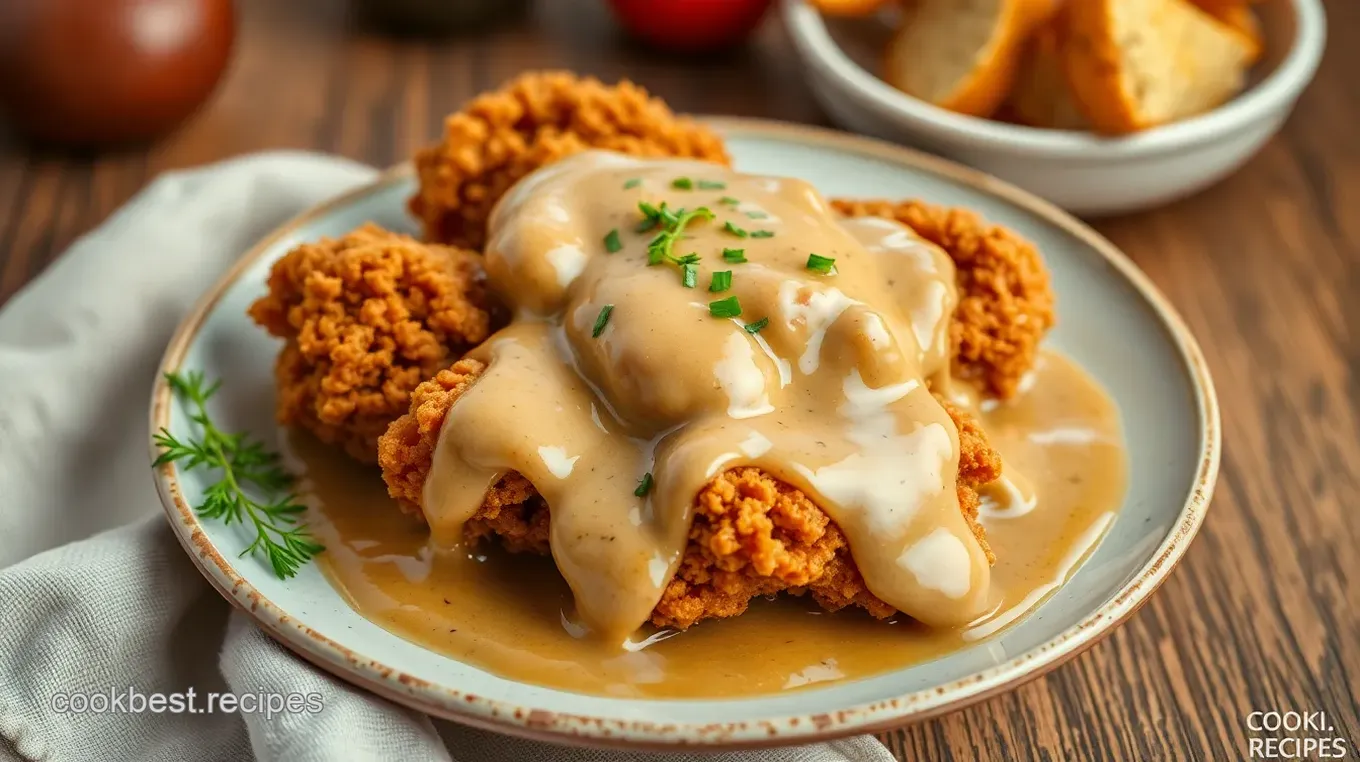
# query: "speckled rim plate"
{"type": "Point", "coordinates": [1099, 290]}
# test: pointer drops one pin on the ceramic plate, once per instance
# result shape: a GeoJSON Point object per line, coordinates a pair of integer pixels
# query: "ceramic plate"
{"type": "Point", "coordinates": [1112, 321]}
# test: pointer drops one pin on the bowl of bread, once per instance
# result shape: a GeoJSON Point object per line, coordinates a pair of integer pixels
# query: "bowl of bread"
{"type": "Point", "coordinates": [1100, 106]}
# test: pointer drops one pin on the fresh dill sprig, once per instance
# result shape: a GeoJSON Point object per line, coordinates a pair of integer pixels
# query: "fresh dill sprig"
{"type": "Point", "coordinates": [242, 462]}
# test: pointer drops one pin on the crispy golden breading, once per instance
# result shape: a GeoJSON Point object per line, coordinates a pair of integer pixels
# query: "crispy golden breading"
{"type": "Point", "coordinates": [752, 534]}
{"type": "Point", "coordinates": [366, 318]}
{"type": "Point", "coordinates": [534, 120]}
{"type": "Point", "coordinates": [1005, 297]}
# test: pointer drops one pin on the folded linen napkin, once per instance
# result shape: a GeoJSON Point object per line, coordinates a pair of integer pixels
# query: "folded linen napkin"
{"type": "Point", "coordinates": [88, 609]}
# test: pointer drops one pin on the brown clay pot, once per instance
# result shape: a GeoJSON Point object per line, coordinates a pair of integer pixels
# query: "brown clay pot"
{"type": "Point", "coordinates": [99, 72]}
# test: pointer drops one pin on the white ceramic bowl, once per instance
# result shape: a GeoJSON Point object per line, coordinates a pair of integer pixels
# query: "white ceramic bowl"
{"type": "Point", "coordinates": [1081, 172]}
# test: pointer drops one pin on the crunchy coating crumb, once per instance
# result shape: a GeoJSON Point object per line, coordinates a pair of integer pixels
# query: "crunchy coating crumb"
{"type": "Point", "coordinates": [752, 534]}
{"type": "Point", "coordinates": [1005, 297]}
{"type": "Point", "coordinates": [534, 120]}
{"type": "Point", "coordinates": [366, 318]}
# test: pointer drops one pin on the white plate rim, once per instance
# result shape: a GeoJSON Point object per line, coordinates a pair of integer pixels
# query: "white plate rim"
{"type": "Point", "coordinates": [558, 727]}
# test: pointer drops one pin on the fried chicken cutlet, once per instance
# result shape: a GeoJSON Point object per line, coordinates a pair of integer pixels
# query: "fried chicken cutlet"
{"type": "Point", "coordinates": [532, 121]}
{"type": "Point", "coordinates": [365, 318]}
{"type": "Point", "coordinates": [1005, 297]}
{"type": "Point", "coordinates": [752, 534]}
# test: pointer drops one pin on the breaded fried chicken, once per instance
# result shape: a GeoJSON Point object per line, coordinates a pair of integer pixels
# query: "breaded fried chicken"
{"type": "Point", "coordinates": [366, 318]}
{"type": "Point", "coordinates": [752, 534]}
{"type": "Point", "coordinates": [534, 120]}
{"type": "Point", "coordinates": [1005, 297]}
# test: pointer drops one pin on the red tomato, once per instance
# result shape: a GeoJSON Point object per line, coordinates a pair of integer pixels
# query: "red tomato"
{"type": "Point", "coordinates": [690, 25]}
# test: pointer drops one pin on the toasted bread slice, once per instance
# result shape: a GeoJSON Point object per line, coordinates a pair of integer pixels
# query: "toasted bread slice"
{"type": "Point", "coordinates": [847, 7]}
{"type": "Point", "coordinates": [1042, 96]}
{"type": "Point", "coordinates": [960, 55]}
{"type": "Point", "coordinates": [1135, 64]}
{"type": "Point", "coordinates": [1242, 19]}
{"type": "Point", "coordinates": [1219, 8]}
{"type": "Point", "coordinates": [1238, 15]}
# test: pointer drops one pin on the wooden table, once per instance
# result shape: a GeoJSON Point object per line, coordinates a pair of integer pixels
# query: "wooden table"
{"type": "Point", "coordinates": [1265, 267]}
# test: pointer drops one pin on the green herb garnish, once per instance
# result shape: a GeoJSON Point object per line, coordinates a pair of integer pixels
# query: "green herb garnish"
{"type": "Point", "coordinates": [689, 275]}
{"type": "Point", "coordinates": [762, 234]}
{"type": "Point", "coordinates": [722, 280]}
{"type": "Point", "coordinates": [734, 230]}
{"type": "Point", "coordinates": [757, 215]}
{"type": "Point", "coordinates": [725, 308]}
{"type": "Point", "coordinates": [651, 217]}
{"type": "Point", "coordinates": [242, 462]}
{"type": "Point", "coordinates": [612, 242]}
{"type": "Point", "coordinates": [712, 185]}
{"type": "Point", "coordinates": [728, 201]}
{"type": "Point", "coordinates": [754, 328]}
{"type": "Point", "coordinates": [654, 216]}
{"type": "Point", "coordinates": [659, 249]}
{"type": "Point", "coordinates": [682, 183]}
{"type": "Point", "coordinates": [735, 256]}
{"type": "Point", "coordinates": [601, 320]}
{"type": "Point", "coordinates": [820, 264]}
{"type": "Point", "coordinates": [644, 485]}
{"type": "Point", "coordinates": [633, 183]}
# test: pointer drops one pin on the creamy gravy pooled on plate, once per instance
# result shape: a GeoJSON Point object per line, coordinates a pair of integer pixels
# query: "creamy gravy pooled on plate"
{"type": "Point", "coordinates": [504, 613]}
{"type": "Point", "coordinates": [633, 374]}
{"type": "Point", "coordinates": [613, 369]}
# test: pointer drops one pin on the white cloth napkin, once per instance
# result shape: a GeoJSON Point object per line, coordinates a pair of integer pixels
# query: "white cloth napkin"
{"type": "Point", "coordinates": [83, 613]}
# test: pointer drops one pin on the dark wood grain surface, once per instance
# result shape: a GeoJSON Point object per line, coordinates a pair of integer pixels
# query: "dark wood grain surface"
{"type": "Point", "coordinates": [1265, 267]}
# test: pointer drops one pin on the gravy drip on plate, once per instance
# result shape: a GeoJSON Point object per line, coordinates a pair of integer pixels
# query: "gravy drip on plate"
{"type": "Point", "coordinates": [505, 613]}
{"type": "Point", "coordinates": [829, 396]}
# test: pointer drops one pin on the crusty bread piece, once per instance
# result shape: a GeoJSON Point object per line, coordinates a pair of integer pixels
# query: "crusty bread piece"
{"type": "Point", "coordinates": [961, 54]}
{"type": "Point", "coordinates": [1238, 15]}
{"type": "Point", "coordinates": [1242, 19]}
{"type": "Point", "coordinates": [1042, 96]}
{"type": "Point", "coordinates": [1135, 64]}
{"type": "Point", "coordinates": [1220, 8]}
{"type": "Point", "coordinates": [848, 7]}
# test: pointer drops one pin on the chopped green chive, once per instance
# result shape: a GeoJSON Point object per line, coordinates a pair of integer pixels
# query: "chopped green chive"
{"type": "Point", "coordinates": [689, 275]}
{"type": "Point", "coordinates": [754, 328]}
{"type": "Point", "coordinates": [644, 485]}
{"type": "Point", "coordinates": [689, 259]}
{"type": "Point", "coordinates": [651, 216]}
{"type": "Point", "coordinates": [735, 256]}
{"type": "Point", "coordinates": [757, 215]}
{"type": "Point", "coordinates": [725, 308]}
{"type": "Point", "coordinates": [682, 183]}
{"type": "Point", "coordinates": [762, 234]}
{"type": "Point", "coordinates": [712, 185]}
{"type": "Point", "coordinates": [612, 242]}
{"type": "Point", "coordinates": [722, 280]}
{"type": "Point", "coordinates": [728, 201]}
{"type": "Point", "coordinates": [601, 320]}
{"type": "Point", "coordinates": [821, 264]}
{"type": "Point", "coordinates": [633, 183]}
{"type": "Point", "coordinates": [734, 230]}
